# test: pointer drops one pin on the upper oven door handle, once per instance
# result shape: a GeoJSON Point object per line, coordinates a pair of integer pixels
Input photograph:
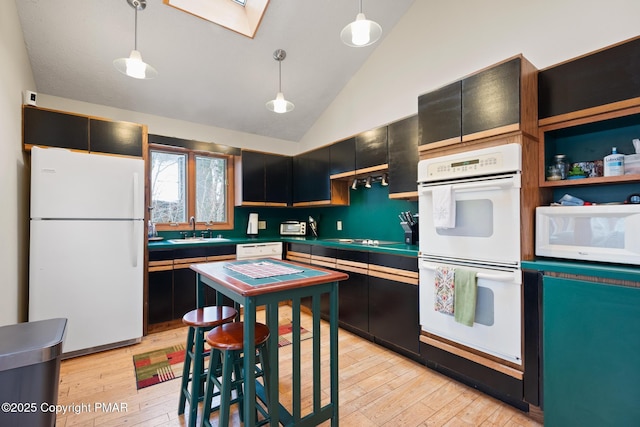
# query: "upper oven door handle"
{"type": "Point", "coordinates": [512, 277]}
{"type": "Point", "coordinates": [512, 181]}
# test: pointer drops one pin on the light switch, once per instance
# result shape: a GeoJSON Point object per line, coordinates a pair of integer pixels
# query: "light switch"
{"type": "Point", "coordinates": [262, 225]}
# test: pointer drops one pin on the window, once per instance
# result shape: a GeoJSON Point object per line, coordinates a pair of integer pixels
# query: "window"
{"type": "Point", "coordinates": [186, 183]}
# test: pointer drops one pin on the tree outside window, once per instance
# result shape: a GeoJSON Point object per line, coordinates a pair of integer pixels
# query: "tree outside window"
{"type": "Point", "coordinates": [185, 184]}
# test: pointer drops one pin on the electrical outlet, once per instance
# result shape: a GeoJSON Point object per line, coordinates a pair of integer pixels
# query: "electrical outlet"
{"type": "Point", "coordinates": [262, 225]}
{"type": "Point", "coordinates": [339, 225]}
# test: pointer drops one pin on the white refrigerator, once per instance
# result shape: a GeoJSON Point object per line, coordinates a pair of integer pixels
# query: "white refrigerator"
{"type": "Point", "coordinates": [86, 247]}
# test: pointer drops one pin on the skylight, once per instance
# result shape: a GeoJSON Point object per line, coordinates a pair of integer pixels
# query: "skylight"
{"type": "Point", "coordinates": [241, 16]}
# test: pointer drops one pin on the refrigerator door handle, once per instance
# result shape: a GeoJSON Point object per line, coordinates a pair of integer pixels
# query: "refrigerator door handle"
{"type": "Point", "coordinates": [136, 196]}
{"type": "Point", "coordinates": [134, 242]}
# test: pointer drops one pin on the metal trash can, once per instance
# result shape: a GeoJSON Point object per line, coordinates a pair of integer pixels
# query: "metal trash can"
{"type": "Point", "coordinates": [30, 371]}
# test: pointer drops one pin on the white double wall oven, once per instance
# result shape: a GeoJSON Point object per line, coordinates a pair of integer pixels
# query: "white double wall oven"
{"type": "Point", "coordinates": [484, 188]}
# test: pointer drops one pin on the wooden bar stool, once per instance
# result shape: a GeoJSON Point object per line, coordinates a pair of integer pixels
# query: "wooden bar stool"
{"type": "Point", "coordinates": [199, 321]}
{"type": "Point", "coordinates": [228, 339]}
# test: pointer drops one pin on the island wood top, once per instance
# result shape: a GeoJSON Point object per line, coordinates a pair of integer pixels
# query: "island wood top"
{"type": "Point", "coordinates": [247, 286]}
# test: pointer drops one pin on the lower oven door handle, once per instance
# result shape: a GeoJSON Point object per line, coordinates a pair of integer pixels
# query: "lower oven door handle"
{"type": "Point", "coordinates": [513, 277]}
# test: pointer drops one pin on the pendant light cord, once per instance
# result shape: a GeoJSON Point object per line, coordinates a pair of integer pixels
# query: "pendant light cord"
{"type": "Point", "coordinates": [135, 31]}
{"type": "Point", "coordinates": [280, 75]}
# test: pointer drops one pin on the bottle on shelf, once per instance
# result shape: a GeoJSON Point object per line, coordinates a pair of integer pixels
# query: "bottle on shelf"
{"type": "Point", "coordinates": [561, 165]}
{"type": "Point", "coordinates": [614, 163]}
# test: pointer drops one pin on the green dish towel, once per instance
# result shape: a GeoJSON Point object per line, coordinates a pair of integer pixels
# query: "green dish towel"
{"type": "Point", "coordinates": [465, 295]}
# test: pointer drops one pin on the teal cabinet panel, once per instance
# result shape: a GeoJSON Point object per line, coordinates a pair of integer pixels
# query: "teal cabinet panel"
{"type": "Point", "coordinates": [590, 353]}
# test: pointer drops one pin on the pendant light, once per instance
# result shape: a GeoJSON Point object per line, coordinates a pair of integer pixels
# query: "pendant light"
{"type": "Point", "coordinates": [361, 32]}
{"type": "Point", "coordinates": [134, 66]}
{"type": "Point", "coordinates": [279, 104]}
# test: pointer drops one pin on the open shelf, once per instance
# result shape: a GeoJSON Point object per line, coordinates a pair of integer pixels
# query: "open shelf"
{"type": "Point", "coordinates": [592, 181]}
{"type": "Point", "coordinates": [589, 139]}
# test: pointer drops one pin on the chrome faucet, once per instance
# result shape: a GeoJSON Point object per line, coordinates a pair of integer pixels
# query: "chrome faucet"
{"type": "Point", "coordinates": [192, 223]}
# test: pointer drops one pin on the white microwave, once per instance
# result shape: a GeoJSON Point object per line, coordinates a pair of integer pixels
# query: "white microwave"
{"type": "Point", "coordinates": [604, 233]}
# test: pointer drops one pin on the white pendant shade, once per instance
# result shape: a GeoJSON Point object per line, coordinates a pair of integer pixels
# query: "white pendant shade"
{"type": "Point", "coordinates": [361, 32]}
{"type": "Point", "coordinates": [280, 105]}
{"type": "Point", "coordinates": [135, 67]}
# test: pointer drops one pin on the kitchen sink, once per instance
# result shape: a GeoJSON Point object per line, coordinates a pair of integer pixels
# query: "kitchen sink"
{"type": "Point", "coordinates": [198, 240]}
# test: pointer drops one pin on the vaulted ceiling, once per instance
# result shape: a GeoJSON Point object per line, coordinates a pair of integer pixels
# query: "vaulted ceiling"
{"type": "Point", "coordinates": [207, 74]}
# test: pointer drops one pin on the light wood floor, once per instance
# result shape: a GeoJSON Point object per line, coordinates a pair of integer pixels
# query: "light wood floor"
{"type": "Point", "coordinates": [377, 388]}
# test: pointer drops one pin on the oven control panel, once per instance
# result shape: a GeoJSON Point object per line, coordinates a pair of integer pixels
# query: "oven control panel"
{"type": "Point", "coordinates": [486, 161]}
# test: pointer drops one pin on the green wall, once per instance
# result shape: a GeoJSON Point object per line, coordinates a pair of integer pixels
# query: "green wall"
{"type": "Point", "coordinates": [370, 215]}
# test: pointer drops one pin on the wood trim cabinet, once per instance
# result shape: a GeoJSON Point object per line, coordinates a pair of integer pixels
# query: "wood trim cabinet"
{"type": "Point", "coordinates": [403, 158]}
{"type": "Point", "coordinates": [263, 179]}
{"type": "Point", "coordinates": [588, 139]}
{"type": "Point", "coordinates": [582, 86]}
{"type": "Point", "coordinates": [497, 100]}
{"type": "Point", "coordinates": [371, 150]}
{"type": "Point", "coordinates": [171, 284]}
{"type": "Point", "coordinates": [53, 128]}
{"type": "Point", "coordinates": [379, 300]}
{"type": "Point", "coordinates": [312, 185]}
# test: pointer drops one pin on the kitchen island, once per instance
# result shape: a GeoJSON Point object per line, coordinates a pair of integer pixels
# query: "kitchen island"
{"type": "Point", "coordinates": [232, 280]}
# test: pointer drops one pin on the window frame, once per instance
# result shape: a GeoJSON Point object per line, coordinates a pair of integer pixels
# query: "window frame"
{"type": "Point", "coordinates": [191, 188]}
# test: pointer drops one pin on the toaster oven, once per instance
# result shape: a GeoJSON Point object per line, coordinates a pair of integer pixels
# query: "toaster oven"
{"type": "Point", "coordinates": [293, 228]}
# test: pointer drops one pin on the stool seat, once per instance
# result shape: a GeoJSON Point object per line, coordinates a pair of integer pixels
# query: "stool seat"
{"type": "Point", "coordinates": [229, 336]}
{"type": "Point", "coordinates": [209, 317]}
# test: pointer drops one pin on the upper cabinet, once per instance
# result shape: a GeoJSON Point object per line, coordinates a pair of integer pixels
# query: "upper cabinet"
{"type": "Point", "coordinates": [602, 81]}
{"type": "Point", "coordinates": [311, 183]}
{"type": "Point", "coordinates": [77, 132]}
{"type": "Point", "coordinates": [491, 101]}
{"type": "Point", "coordinates": [497, 100]}
{"type": "Point", "coordinates": [403, 158]}
{"type": "Point", "coordinates": [371, 150]}
{"type": "Point", "coordinates": [343, 158]}
{"type": "Point", "coordinates": [587, 106]}
{"type": "Point", "coordinates": [264, 179]}
{"type": "Point", "coordinates": [440, 115]}
{"type": "Point", "coordinates": [55, 129]}
{"type": "Point", "coordinates": [115, 137]}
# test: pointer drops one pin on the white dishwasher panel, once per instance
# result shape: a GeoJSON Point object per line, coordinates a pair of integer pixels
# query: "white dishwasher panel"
{"type": "Point", "coordinates": [259, 250]}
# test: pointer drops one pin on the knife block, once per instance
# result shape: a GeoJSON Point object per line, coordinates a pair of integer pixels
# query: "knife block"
{"type": "Point", "coordinates": [410, 233]}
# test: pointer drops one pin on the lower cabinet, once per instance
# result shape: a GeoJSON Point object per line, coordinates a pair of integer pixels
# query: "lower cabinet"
{"type": "Point", "coordinates": [172, 284]}
{"type": "Point", "coordinates": [184, 290]}
{"type": "Point", "coordinates": [353, 296]}
{"type": "Point", "coordinates": [590, 353]}
{"type": "Point", "coordinates": [379, 300]}
{"type": "Point", "coordinates": [159, 297]}
{"type": "Point", "coordinates": [393, 313]}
